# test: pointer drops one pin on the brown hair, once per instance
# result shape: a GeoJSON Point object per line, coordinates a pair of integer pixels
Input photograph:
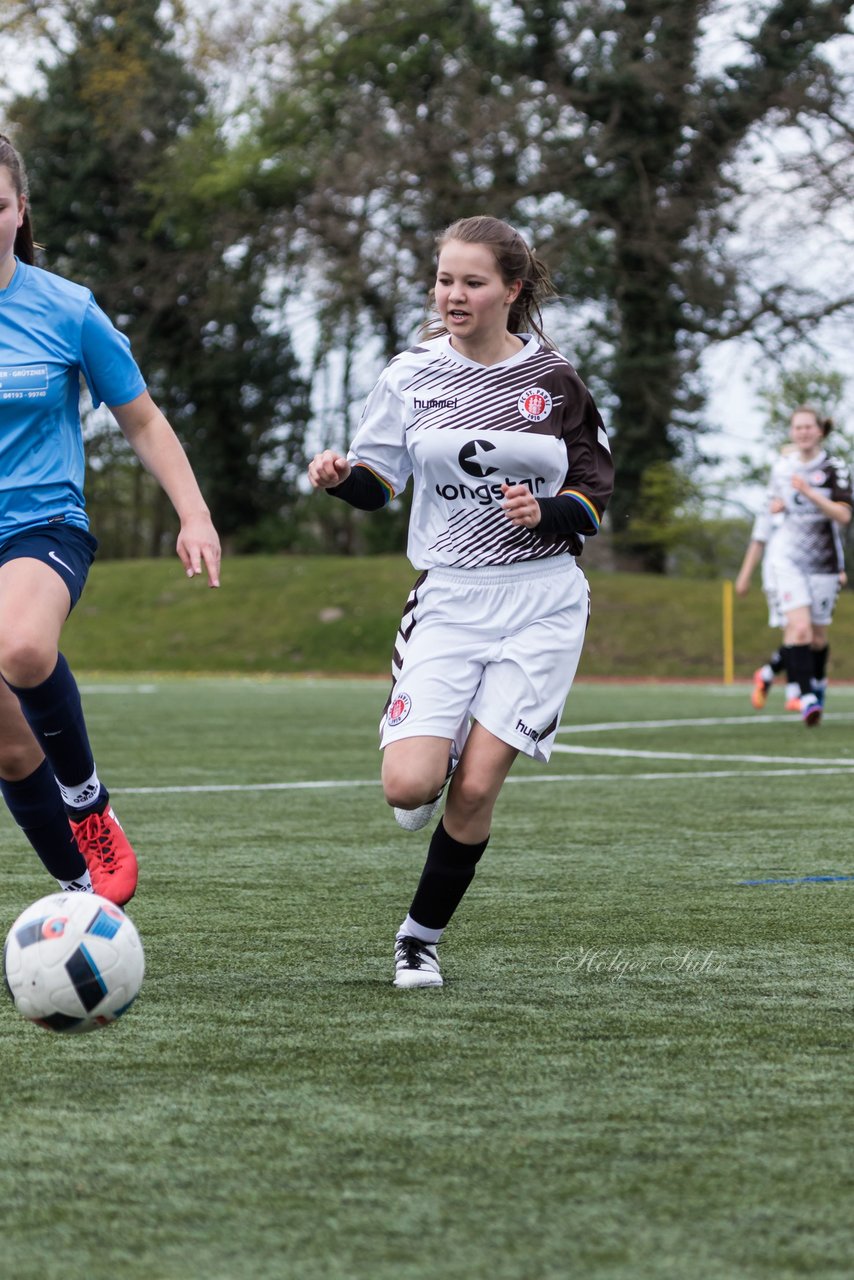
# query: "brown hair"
{"type": "Point", "coordinates": [515, 261]}
{"type": "Point", "coordinates": [824, 423]}
{"type": "Point", "coordinates": [9, 157]}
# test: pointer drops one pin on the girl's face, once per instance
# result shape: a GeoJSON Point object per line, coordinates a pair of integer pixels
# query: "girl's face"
{"type": "Point", "coordinates": [806, 434]}
{"type": "Point", "coordinates": [11, 214]}
{"type": "Point", "coordinates": [472, 297]}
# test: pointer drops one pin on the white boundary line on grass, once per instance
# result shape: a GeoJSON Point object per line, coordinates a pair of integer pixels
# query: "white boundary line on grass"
{"type": "Point", "coordinates": [780, 766]}
{"type": "Point", "coordinates": [332, 784]}
{"type": "Point", "coordinates": [86, 689]}
{"type": "Point", "coordinates": [699, 723]}
{"type": "Point", "coordinates": [638, 754]}
{"type": "Point", "coordinates": [823, 765]}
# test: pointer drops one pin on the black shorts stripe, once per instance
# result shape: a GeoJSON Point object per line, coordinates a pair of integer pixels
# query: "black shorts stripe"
{"type": "Point", "coordinates": [403, 635]}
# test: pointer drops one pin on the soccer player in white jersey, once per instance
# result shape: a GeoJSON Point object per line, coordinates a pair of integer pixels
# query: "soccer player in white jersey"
{"type": "Point", "coordinates": [764, 527]}
{"type": "Point", "coordinates": [511, 470]}
{"type": "Point", "coordinates": [51, 333]}
{"type": "Point", "coordinates": [810, 491]}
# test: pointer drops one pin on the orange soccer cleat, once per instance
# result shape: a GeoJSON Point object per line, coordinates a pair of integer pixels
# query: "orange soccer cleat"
{"type": "Point", "coordinates": [111, 861]}
{"type": "Point", "coordinates": [759, 692]}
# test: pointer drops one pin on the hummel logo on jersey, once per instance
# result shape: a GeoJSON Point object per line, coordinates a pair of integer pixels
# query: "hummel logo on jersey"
{"type": "Point", "coordinates": [433, 404]}
{"type": "Point", "coordinates": [468, 459]}
{"type": "Point", "coordinates": [55, 557]}
{"type": "Point", "coordinates": [521, 727]}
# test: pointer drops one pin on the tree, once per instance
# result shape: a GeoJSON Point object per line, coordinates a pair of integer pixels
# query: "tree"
{"type": "Point", "coordinates": [604, 129]}
{"type": "Point", "coordinates": [655, 177]}
{"type": "Point", "coordinates": [126, 167]}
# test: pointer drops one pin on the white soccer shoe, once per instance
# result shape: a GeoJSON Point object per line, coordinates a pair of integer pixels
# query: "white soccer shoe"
{"type": "Point", "coordinates": [415, 963]}
{"type": "Point", "coordinates": [416, 819]}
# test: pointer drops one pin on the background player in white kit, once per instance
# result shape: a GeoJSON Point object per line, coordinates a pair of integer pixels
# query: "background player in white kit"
{"type": "Point", "coordinates": [812, 492]}
{"type": "Point", "coordinates": [511, 470]}
{"type": "Point", "coordinates": [764, 527]}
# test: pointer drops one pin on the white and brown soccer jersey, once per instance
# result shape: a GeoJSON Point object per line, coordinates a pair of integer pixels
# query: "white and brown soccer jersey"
{"type": "Point", "coordinates": [807, 540]}
{"type": "Point", "coordinates": [461, 429]}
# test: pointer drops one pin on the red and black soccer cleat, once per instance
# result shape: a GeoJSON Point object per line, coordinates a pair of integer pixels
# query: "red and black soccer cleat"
{"type": "Point", "coordinates": [112, 863]}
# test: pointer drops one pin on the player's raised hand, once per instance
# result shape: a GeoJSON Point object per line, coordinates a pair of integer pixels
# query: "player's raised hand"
{"type": "Point", "coordinates": [328, 469]}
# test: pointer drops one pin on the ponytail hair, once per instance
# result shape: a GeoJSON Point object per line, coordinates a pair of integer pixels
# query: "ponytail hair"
{"type": "Point", "coordinates": [25, 247]}
{"type": "Point", "coordinates": [825, 424]}
{"type": "Point", "coordinates": [515, 261]}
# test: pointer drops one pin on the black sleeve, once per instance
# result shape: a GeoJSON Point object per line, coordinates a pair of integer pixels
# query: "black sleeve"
{"type": "Point", "coordinates": [589, 477]}
{"type": "Point", "coordinates": [361, 489]}
{"type": "Point", "coordinates": [561, 517]}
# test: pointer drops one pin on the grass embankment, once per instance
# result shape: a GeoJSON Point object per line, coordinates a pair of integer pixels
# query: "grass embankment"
{"type": "Point", "coordinates": [329, 614]}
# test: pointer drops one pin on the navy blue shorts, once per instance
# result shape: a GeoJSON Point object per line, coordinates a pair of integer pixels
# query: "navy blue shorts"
{"type": "Point", "coordinates": [64, 547]}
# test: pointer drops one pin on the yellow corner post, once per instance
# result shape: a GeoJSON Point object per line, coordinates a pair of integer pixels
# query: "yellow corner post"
{"type": "Point", "coordinates": [728, 646]}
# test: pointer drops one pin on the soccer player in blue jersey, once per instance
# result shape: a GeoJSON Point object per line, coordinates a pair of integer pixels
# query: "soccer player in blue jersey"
{"type": "Point", "coordinates": [511, 471]}
{"type": "Point", "coordinates": [52, 332]}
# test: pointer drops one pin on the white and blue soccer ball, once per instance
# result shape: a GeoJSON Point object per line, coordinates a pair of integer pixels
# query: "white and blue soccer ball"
{"type": "Point", "coordinates": [73, 962]}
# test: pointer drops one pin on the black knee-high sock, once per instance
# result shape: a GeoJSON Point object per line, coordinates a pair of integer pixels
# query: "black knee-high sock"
{"type": "Point", "coordinates": [54, 712]}
{"type": "Point", "coordinates": [36, 805]}
{"type": "Point", "coordinates": [819, 661]}
{"type": "Point", "coordinates": [799, 667]}
{"type": "Point", "coordinates": [448, 872]}
{"type": "Point", "coordinates": [777, 661]}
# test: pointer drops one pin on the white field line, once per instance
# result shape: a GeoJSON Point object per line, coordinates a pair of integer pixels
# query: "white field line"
{"type": "Point", "coordinates": [704, 723]}
{"type": "Point", "coordinates": [86, 689]}
{"type": "Point", "coordinates": [780, 766]}
{"type": "Point", "coordinates": [629, 753]}
{"type": "Point", "coordinates": [561, 779]}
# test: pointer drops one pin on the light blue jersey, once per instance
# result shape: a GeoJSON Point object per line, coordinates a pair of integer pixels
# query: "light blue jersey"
{"type": "Point", "coordinates": [51, 332]}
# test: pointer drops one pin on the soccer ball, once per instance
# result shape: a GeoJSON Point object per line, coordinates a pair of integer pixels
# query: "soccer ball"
{"type": "Point", "coordinates": [73, 962]}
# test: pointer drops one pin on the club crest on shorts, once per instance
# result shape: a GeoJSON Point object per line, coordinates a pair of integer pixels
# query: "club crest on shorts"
{"type": "Point", "coordinates": [535, 404]}
{"type": "Point", "coordinates": [398, 710]}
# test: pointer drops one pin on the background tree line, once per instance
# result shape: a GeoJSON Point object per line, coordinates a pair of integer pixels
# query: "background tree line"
{"type": "Point", "coordinates": [235, 188]}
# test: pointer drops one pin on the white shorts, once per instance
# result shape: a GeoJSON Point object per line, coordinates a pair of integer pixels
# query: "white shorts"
{"type": "Point", "coordinates": [499, 645]}
{"type": "Point", "coordinates": [776, 617]}
{"type": "Point", "coordinates": [793, 589]}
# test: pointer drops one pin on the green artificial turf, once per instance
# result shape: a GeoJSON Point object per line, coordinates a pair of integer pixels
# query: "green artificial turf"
{"type": "Point", "coordinates": [638, 1069]}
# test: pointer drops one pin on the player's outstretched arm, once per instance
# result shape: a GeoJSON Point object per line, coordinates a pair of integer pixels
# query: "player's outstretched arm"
{"type": "Point", "coordinates": [160, 451]}
{"type": "Point", "coordinates": [752, 557]}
